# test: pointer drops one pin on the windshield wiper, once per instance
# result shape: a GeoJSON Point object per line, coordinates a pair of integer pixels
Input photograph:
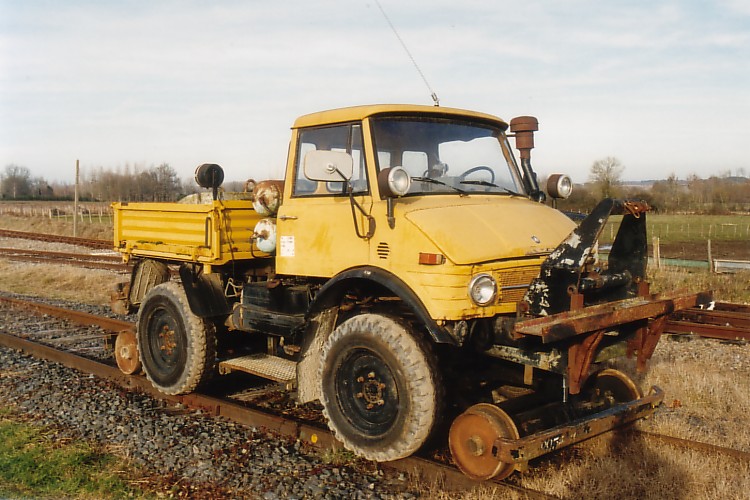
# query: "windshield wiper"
{"type": "Point", "coordinates": [435, 181]}
{"type": "Point", "coordinates": [480, 183]}
{"type": "Point", "coordinates": [489, 184]}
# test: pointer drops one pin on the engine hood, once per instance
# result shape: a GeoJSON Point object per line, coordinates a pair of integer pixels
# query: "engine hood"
{"type": "Point", "coordinates": [482, 229]}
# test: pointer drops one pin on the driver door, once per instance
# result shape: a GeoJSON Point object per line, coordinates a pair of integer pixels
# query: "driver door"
{"type": "Point", "coordinates": [316, 223]}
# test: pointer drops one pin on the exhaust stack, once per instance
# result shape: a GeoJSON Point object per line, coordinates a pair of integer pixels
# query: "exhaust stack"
{"type": "Point", "coordinates": [523, 127]}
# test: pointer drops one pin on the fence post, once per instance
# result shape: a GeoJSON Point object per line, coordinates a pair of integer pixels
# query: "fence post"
{"type": "Point", "coordinates": [710, 258]}
{"type": "Point", "coordinates": [657, 252]}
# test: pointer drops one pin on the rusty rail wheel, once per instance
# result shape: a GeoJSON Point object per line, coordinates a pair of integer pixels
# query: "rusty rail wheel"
{"type": "Point", "coordinates": [612, 386]}
{"type": "Point", "coordinates": [126, 352]}
{"type": "Point", "coordinates": [471, 439]}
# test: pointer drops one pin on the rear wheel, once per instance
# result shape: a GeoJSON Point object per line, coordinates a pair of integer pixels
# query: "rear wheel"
{"type": "Point", "coordinates": [176, 347]}
{"type": "Point", "coordinates": [379, 387]}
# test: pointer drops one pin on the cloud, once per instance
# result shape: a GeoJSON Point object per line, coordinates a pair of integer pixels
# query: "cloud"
{"type": "Point", "coordinates": [188, 82]}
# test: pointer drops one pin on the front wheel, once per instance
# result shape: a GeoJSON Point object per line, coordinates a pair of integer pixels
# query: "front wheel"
{"type": "Point", "coordinates": [176, 347]}
{"type": "Point", "coordinates": [379, 387]}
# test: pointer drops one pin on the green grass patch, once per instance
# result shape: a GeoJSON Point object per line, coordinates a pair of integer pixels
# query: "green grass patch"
{"type": "Point", "coordinates": [688, 228]}
{"type": "Point", "coordinates": [35, 464]}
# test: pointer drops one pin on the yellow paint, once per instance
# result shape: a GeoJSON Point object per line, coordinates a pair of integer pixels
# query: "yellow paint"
{"type": "Point", "coordinates": [503, 235]}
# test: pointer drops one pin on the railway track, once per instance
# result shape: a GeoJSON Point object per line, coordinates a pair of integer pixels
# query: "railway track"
{"type": "Point", "coordinates": [725, 321]}
{"type": "Point", "coordinates": [233, 406]}
{"type": "Point", "coordinates": [70, 240]}
{"type": "Point", "coordinates": [85, 260]}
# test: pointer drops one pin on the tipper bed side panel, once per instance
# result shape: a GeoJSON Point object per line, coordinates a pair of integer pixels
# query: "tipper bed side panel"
{"type": "Point", "coordinates": [213, 233]}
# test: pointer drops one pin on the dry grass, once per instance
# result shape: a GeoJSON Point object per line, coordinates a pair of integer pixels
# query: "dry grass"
{"type": "Point", "coordinates": [726, 287]}
{"type": "Point", "coordinates": [85, 229]}
{"type": "Point", "coordinates": [88, 286]}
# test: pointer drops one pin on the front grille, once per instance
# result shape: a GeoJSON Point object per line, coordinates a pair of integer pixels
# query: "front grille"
{"type": "Point", "coordinates": [513, 283]}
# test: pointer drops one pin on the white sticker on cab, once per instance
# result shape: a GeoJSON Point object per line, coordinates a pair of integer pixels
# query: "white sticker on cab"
{"type": "Point", "coordinates": [286, 244]}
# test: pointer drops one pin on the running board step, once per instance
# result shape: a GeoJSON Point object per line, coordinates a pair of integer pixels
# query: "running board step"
{"type": "Point", "coordinates": [263, 365]}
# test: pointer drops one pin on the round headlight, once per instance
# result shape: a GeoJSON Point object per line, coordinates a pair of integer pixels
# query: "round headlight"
{"type": "Point", "coordinates": [482, 289]}
{"type": "Point", "coordinates": [559, 186]}
{"type": "Point", "coordinates": [394, 181]}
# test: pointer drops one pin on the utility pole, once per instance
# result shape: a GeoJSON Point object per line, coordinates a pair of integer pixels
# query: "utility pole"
{"type": "Point", "coordinates": [75, 205]}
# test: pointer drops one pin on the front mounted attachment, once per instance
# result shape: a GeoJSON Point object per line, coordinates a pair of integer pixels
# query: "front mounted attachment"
{"type": "Point", "coordinates": [571, 269]}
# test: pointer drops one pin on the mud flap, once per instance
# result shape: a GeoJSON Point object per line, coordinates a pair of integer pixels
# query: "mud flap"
{"type": "Point", "coordinates": [205, 293]}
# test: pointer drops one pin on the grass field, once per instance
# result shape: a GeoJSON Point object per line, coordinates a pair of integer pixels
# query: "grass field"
{"type": "Point", "coordinates": [689, 228]}
{"type": "Point", "coordinates": [686, 236]}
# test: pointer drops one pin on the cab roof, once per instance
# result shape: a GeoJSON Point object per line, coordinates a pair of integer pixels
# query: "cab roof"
{"type": "Point", "coordinates": [358, 113]}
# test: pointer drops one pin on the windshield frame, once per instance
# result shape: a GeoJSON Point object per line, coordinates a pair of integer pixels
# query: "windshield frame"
{"type": "Point", "coordinates": [432, 181]}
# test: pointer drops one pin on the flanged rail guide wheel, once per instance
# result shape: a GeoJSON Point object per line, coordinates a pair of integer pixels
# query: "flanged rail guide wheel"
{"type": "Point", "coordinates": [472, 436]}
{"type": "Point", "coordinates": [126, 352]}
{"type": "Point", "coordinates": [613, 386]}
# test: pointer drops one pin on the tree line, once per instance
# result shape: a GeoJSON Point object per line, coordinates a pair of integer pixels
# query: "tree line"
{"type": "Point", "coordinates": [715, 195]}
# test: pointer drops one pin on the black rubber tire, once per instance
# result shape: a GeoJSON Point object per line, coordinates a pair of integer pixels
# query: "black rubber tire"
{"type": "Point", "coordinates": [176, 347]}
{"type": "Point", "coordinates": [379, 387]}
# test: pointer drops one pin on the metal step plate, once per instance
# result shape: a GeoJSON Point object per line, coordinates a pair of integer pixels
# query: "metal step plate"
{"type": "Point", "coordinates": [262, 365]}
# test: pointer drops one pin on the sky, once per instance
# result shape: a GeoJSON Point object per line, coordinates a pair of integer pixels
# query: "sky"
{"type": "Point", "coordinates": [663, 86]}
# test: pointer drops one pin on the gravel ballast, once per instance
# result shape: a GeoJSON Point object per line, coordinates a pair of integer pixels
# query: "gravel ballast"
{"type": "Point", "coordinates": [194, 451]}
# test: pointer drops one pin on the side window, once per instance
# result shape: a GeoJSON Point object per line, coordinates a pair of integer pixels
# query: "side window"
{"type": "Point", "coordinates": [345, 138]}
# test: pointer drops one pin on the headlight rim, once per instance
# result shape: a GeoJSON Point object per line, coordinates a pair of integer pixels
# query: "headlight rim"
{"type": "Point", "coordinates": [473, 282]}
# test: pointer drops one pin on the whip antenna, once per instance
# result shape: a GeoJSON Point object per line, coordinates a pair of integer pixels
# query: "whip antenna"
{"type": "Point", "coordinates": [406, 49]}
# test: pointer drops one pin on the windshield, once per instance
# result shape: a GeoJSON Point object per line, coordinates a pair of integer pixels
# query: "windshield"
{"type": "Point", "coordinates": [447, 156]}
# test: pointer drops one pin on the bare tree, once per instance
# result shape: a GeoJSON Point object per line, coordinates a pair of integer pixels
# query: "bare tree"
{"type": "Point", "coordinates": [15, 182]}
{"type": "Point", "coordinates": [606, 173]}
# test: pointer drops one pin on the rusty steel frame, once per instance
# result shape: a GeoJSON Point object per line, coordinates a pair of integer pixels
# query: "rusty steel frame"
{"type": "Point", "coordinates": [571, 323]}
{"type": "Point", "coordinates": [522, 450]}
{"type": "Point", "coordinates": [584, 328]}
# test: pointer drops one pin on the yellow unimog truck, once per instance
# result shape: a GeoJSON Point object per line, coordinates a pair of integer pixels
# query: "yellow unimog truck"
{"type": "Point", "coordinates": [408, 275]}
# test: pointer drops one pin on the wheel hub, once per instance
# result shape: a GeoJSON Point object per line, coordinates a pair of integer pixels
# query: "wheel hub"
{"type": "Point", "coordinates": [167, 340]}
{"type": "Point", "coordinates": [372, 391]}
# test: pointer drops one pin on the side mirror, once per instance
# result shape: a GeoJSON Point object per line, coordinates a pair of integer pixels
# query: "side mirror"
{"type": "Point", "coordinates": [328, 166]}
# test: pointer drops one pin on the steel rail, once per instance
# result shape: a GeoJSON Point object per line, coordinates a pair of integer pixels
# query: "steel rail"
{"type": "Point", "coordinates": [418, 468]}
{"type": "Point", "coordinates": [695, 445]}
{"type": "Point", "coordinates": [78, 317]}
{"type": "Point", "coordinates": [725, 321]}
{"type": "Point", "coordinates": [106, 262]}
{"type": "Point", "coordinates": [84, 242]}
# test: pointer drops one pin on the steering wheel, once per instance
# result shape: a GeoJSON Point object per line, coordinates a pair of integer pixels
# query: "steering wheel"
{"type": "Point", "coordinates": [478, 168]}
